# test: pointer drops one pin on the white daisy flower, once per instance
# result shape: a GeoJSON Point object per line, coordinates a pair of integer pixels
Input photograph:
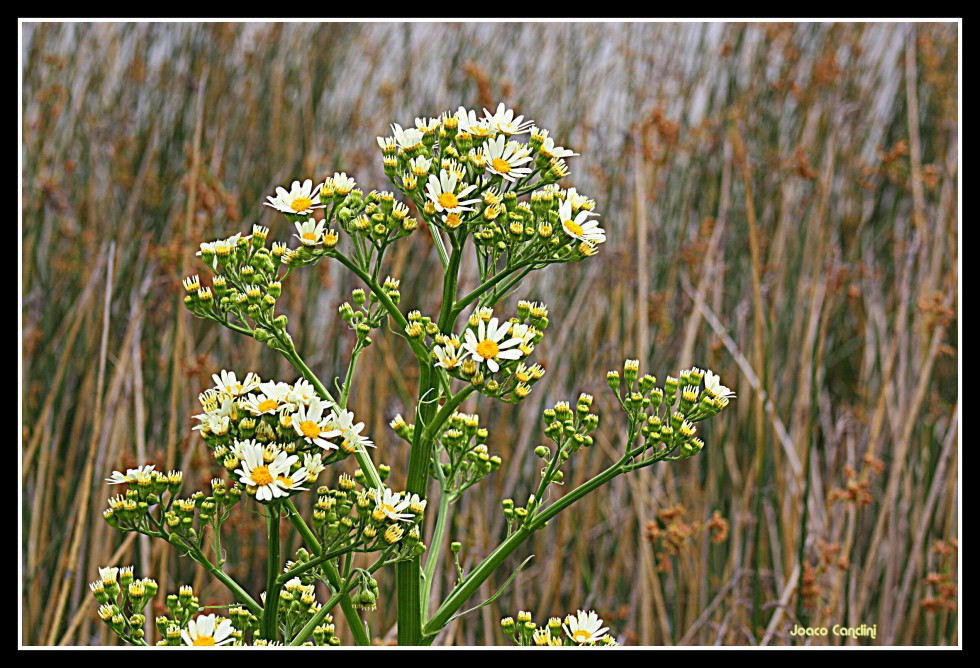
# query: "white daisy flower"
{"type": "Point", "coordinates": [442, 192]}
{"type": "Point", "coordinates": [469, 123]}
{"type": "Point", "coordinates": [213, 423]}
{"type": "Point", "coordinates": [302, 392]}
{"type": "Point", "coordinates": [425, 125]}
{"type": "Point", "coordinates": [224, 247]}
{"type": "Point", "coordinates": [207, 631]}
{"type": "Point", "coordinates": [450, 354]}
{"type": "Point", "coordinates": [310, 232]}
{"type": "Point", "coordinates": [504, 121]}
{"type": "Point", "coordinates": [389, 505]}
{"type": "Point", "coordinates": [387, 144]}
{"type": "Point", "coordinates": [131, 475]}
{"type": "Point", "coordinates": [273, 398]}
{"type": "Point", "coordinates": [713, 386]}
{"type": "Point", "coordinates": [228, 383]}
{"type": "Point", "coordinates": [579, 201]}
{"type": "Point", "coordinates": [343, 184]}
{"type": "Point", "coordinates": [549, 150]}
{"type": "Point", "coordinates": [407, 139]}
{"type": "Point", "coordinates": [310, 423]}
{"type": "Point", "coordinates": [416, 504]}
{"type": "Point", "coordinates": [419, 165]}
{"type": "Point", "coordinates": [506, 157]}
{"type": "Point", "coordinates": [299, 200]}
{"type": "Point", "coordinates": [206, 247]}
{"type": "Point", "coordinates": [239, 447]}
{"type": "Point", "coordinates": [342, 420]}
{"type": "Point", "coordinates": [353, 440]}
{"type": "Point", "coordinates": [584, 627]}
{"type": "Point", "coordinates": [108, 574]}
{"type": "Point", "coordinates": [488, 344]}
{"type": "Point", "coordinates": [580, 227]}
{"type": "Point", "coordinates": [478, 159]}
{"type": "Point", "coordinates": [271, 479]}
{"type": "Point", "coordinates": [350, 433]}
{"type": "Point", "coordinates": [313, 463]}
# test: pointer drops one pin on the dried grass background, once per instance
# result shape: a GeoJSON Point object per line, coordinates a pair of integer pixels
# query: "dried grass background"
{"type": "Point", "coordinates": [781, 208]}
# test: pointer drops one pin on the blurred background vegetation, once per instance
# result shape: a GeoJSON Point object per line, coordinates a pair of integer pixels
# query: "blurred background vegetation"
{"type": "Point", "coordinates": [781, 208]}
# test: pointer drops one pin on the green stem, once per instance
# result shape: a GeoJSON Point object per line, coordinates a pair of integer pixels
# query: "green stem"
{"type": "Point", "coordinates": [330, 570]}
{"type": "Point", "coordinates": [435, 549]}
{"type": "Point", "coordinates": [447, 317]}
{"type": "Point", "coordinates": [511, 283]}
{"type": "Point", "coordinates": [315, 621]}
{"type": "Point", "coordinates": [440, 246]}
{"type": "Point", "coordinates": [216, 530]}
{"type": "Point", "coordinates": [408, 573]}
{"type": "Point", "coordinates": [349, 380]}
{"type": "Point", "coordinates": [482, 288]}
{"type": "Point", "coordinates": [304, 633]}
{"type": "Point", "coordinates": [486, 567]}
{"type": "Point", "coordinates": [446, 412]}
{"type": "Point", "coordinates": [235, 588]}
{"type": "Point", "coordinates": [270, 617]}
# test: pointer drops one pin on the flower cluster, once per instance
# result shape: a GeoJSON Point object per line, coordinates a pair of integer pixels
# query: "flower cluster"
{"type": "Point", "coordinates": [469, 171]}
{"type": "Point", "coordinates": [461, 456]}
{"type": "Point", "coordinates": [583, 629]}
{"type": "Point", "coordinates": [489, 352]}
{"type": "Point", "coordinates": [150, 505]}
{"type": "Point", "coordinates": [275, 438]}
{"type": "Point", "coordinates": [122, 600]}
{"type": "Point", "coordinates": [667, 415]}
{"type": "Point", "coordinates": [181, 627]}
{"type": "Point", "coordinates": [368, 519]}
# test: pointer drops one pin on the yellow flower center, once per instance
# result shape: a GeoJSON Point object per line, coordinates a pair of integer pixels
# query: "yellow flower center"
{"type": "Point", "coordinates": [287, 420]}
{"type": "Point", "coordinates": [285, 481]}
{"type": "Point", "coordinates": [500, 165]}
{"type": "Point", "coordinates": [309, 428]}
{"type": "Point", "coordinates": [206, 641]}
{"type": "Point", "coordinates": [581, 636]}
{"type": "Point", "coordinates": [301, 204]}
{"type": "Point", "coordinates": [487, 349]}
{"type": "Point", "coordinates": [448, 201]}
{"type": "Point", "coordinates": [572, 228]}
{"type": "Point", "coordinates": [309, 236]}
{"type": "Point", "coordinates": [451, 362]}
{"type": "Point", "coordinates": [453, 220]}
{"type": "Point", "coordinates": [262, 477]}
{"type": "Point", "coordinates": [386, 509]}
{"type": "Point", "coordinates": [267, 405]}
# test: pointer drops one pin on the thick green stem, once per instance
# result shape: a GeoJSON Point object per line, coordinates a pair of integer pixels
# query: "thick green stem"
{"type": "Point", "coordinates": [435, 550]}
{"type": "Point", "coordinates": [408, 573]}
{"type": "Point", "coordinates": [447, 317]}
{"type": "Point", "coordinates": [270, 616]}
